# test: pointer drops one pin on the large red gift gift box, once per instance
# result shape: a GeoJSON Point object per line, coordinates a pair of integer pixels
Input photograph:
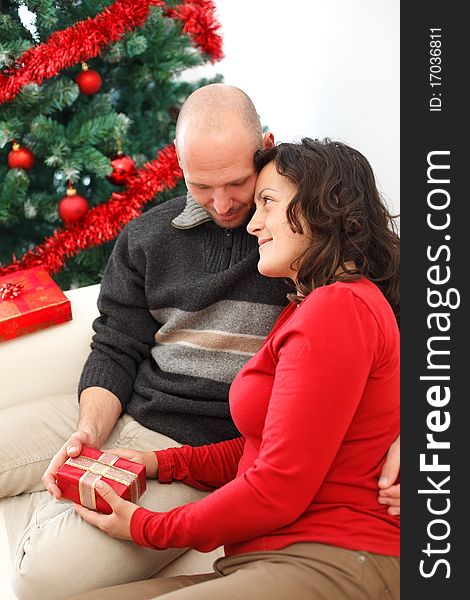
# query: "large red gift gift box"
{"type": "Point", "coordinates": [30, 300]}
{"type": "Point", "coordinates": [78, 476]}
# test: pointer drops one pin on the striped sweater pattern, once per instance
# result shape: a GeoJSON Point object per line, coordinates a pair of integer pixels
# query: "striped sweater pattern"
{"type": "Point", "coordinates": [182, 308]}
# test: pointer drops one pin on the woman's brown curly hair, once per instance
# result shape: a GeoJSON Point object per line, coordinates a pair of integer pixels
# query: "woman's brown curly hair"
{"type": "Point", "coordinates": [338, 200]}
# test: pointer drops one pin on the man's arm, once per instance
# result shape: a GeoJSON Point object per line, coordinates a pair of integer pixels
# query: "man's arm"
{"type": "Point", "coordinates": [124, 334]}
{"type": "Point", "coordinates": [99, 411]}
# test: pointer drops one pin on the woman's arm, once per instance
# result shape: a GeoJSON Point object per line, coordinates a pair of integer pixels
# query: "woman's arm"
{"type": "Point", "coordinates": [204, 467]}
{"type": "Point", "coordinates": [319, 381]}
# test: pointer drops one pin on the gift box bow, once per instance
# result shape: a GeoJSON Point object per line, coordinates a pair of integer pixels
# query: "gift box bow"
{"type": "Point", "coordinates": [29, 288]}
{"type": "Point", "coordinates": [9, 290]}
{"type": "Point", "coordinates": [94, 470]}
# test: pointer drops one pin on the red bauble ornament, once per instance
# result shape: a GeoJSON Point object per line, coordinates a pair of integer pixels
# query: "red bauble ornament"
{"type": "Point", "coordinates": [72, 207]}
{"type": "Point", "coordinates": [123, 168]}
{"type": "Point", "coordinates": [88, 80]}
{"type": "Point", "coordinates": [20, 158]}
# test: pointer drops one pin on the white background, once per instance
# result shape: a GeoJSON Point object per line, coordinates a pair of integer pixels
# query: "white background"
{"type": "Point", "coordinates": [320, 68]}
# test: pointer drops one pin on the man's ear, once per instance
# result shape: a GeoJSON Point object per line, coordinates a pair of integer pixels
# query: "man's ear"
{"type": "Point", "coordinates": [268, 140]}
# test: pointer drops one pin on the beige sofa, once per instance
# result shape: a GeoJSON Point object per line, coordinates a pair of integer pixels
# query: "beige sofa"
{"type": "Point", "coordinates": [48, 363]}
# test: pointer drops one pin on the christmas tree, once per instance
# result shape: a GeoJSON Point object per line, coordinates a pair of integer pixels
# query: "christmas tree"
{"type": "Point", "coordinates": [89, 96]}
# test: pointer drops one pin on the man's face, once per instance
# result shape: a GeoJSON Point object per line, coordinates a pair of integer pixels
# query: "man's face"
{"type": "Point", "coordinates": [220, 175]}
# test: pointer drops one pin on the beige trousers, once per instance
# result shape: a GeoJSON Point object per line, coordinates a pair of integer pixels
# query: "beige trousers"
{"type": "Point", "coordinates": [54, 551]}
{"type": "Point", "coordinates": [304, 571]}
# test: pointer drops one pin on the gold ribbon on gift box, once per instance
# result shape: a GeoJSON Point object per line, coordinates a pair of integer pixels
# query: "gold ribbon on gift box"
{"type": "Point", "coordinates": [95, 469]}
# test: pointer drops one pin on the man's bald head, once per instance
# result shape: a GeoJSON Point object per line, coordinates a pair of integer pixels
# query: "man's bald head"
{"type": "Point", "coordinates": [217, 134]}
{"type": "Point", "coordinates": [213, 111]}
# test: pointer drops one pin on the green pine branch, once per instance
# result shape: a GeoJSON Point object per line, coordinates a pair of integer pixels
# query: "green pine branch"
{"type": "Point", "coordinates": [12, 49]}
{"type": "Point", "coordinates": [135, 44]}
{"type": "Point", "coordinates": [93, 161]}
{"type": "Point", "coordinates": [45, 130]}
{"type": "Point", "coordinates": [10, 29]}
{"type": "Point", "coordinates": [13, 194]}
{"type": "Point", "coordinates": [46, 12]}
{"type": "Point", "coordinates": [59, 95]}
{"type": "Point", "coordinates": [94, 131]}
{"type": "Point", "coordinates": [59, 153]}
{"type": "Point", "coordinates": [10, 130]}
{"type": "Point", "coordinates": [101, 104]}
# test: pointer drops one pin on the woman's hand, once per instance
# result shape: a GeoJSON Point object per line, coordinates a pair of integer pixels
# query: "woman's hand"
{"type": "Point", "coordinates": [118, 523]}
{"type": "Point", "coordinates": [148, 459]}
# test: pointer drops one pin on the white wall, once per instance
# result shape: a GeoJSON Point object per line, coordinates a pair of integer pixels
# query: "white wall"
{"type": "Point", "coordinates": [320, 68]}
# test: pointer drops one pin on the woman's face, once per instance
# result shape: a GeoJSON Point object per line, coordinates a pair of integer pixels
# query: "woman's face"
{"type": "Point", "coordinates": [279, 246]}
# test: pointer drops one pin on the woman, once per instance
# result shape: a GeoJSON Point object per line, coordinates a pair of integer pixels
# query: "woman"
{"type": "Point", "coordinates": [318, 407]}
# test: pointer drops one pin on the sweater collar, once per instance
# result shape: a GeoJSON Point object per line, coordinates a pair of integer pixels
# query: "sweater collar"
{"type": "Point", "coordinates": [192, 215]}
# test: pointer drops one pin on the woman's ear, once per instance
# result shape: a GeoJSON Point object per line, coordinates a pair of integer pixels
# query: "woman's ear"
{"type": "Point", "coordinates": [268, 140]}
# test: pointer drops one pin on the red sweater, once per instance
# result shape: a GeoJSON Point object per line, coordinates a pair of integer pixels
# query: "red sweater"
{"type": "Point", "coordinates": [318, 407]}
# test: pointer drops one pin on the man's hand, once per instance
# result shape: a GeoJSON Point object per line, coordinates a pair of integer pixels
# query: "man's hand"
{"type": "Point", "coordinates": [99, 412]}
{"type": "Point", "coordinates": [118, 523]}
{"type": "Point", "coordinates": [148, 459]}
{"type": "Point", "coordinates": [72, 447]}
{"type": "Point", "coordinates": [389, 492]}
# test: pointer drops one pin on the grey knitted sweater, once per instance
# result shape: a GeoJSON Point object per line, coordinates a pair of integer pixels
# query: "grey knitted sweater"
{"type": "Point", "coordinates": [182, 308]}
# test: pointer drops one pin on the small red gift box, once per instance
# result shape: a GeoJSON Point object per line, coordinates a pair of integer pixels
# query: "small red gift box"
{"type": "Point", "coordinates": [30, 300]}
{"type": "Point", "coordinates": [78, 476]}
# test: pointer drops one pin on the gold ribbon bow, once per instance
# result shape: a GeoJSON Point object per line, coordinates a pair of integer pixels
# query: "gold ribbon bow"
{"type": "Point", "coordinates": [8, 291]}
{"type": "Point", "coordinates": [95, 470]}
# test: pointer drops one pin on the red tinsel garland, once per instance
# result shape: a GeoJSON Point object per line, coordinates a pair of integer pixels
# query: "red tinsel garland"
{"type": "Point", "coordinates": [102, 223]}
{"type": "Point", "coordinates": [85, 39]}
{"type": "Point", "coordinates": [199, 23]}
{"type": "Point", "coordinates": [77, 43]}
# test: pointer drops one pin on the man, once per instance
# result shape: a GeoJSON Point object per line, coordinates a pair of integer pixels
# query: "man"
{"type": "Point", "coordinates": [182, 308]}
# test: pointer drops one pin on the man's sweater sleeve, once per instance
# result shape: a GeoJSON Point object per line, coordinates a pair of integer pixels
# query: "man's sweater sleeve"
{"type": "Point", "coordinates": [125, 329]}
{"type": "Point", "coordinates": [203, 467]}
{"type": "Point", "coordinates": [318, 384]}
